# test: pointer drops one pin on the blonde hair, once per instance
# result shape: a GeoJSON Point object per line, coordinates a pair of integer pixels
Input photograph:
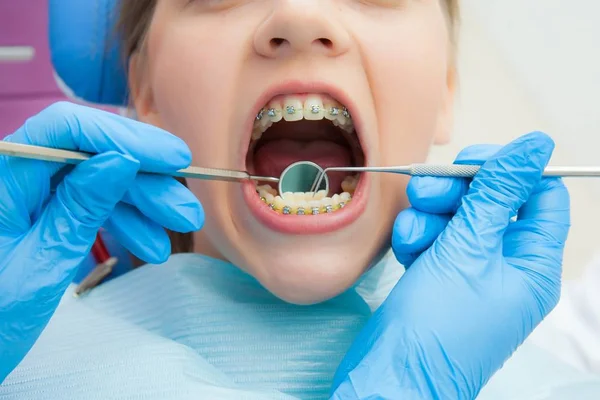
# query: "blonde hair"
{"type": "Point", "coordinates": [453, 17]}
{"type": "Point", "coordinates": [134, 21]}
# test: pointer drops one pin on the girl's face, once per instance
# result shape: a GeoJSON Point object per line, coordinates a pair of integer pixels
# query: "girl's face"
{"type": "Point", "coordinates": [258, 84]}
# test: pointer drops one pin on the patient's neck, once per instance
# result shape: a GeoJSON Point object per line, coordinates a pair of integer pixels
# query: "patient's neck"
{"type": "Point", "coordinates": [203, 246]}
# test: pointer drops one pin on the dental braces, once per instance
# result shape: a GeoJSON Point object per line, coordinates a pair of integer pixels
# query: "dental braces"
{"type": "Point", "coordinates": [287, 210]}
{"type": "Point", "coordinates": [291, 110]}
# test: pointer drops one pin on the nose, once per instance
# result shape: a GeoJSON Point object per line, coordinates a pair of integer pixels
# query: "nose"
{"type": "Point", "coordinates": [301, 26]}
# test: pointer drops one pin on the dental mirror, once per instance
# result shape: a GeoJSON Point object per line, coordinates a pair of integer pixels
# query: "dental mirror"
{"type": "Point", "coordinates": [300, 176]}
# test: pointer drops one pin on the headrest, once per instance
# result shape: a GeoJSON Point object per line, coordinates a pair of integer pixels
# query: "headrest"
{"type": "Point", "coordinates": [85, 51]}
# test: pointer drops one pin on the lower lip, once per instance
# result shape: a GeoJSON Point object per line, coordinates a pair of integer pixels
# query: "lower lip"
{"type": "Point", "coordinates": [307, 224]}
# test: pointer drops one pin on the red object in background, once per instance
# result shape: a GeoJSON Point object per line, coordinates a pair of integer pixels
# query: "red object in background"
{"type": "Point", "coordinates": [99, 250]}
{"type": "Point", "coordinates": [104, 267]}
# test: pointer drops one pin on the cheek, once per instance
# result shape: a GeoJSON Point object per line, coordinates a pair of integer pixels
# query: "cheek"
{"type": "Point", "coordinates": [193, 81]}
{"type": "Point", "coordinates": [407, 73]}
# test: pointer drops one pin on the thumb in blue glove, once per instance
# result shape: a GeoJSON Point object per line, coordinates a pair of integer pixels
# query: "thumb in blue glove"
{"type": "Point", "coordinates": [476, 291]}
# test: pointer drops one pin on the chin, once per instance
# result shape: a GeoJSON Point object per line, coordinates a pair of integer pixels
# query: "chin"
{"type": "Point", "coordinates": [311, 277]}
{"type": "Point", "coordinates": [312, 269]}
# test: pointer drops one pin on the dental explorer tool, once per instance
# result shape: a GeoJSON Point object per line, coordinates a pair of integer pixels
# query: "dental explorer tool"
{"type": "Point", "coordinates": [74, 157]}
{"type": "Point", "coordinates": [455, 171]}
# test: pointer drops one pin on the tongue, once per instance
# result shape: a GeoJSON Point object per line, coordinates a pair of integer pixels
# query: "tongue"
{"type": "Point", "coordinates": [276, 155]}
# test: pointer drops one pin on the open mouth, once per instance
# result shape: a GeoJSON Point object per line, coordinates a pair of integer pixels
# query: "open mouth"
{"type": "Point", "coordinates": [305, 127]}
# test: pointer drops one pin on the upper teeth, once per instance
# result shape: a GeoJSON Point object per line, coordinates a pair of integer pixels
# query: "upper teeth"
{"type": "Point", "coordinates": [291, 108]}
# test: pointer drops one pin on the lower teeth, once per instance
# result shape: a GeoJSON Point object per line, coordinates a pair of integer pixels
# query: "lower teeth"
{"type": "Point", "coordinates": [307, 203]}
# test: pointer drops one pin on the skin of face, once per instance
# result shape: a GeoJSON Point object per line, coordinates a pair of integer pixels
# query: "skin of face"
{"type": "Point", "coordinates": [203, 67]}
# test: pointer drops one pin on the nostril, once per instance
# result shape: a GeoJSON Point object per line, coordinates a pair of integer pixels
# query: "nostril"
{"type": "Point", "coordinates": [276, 42]}
{"type": "Point", "coordinates": [326, 42]}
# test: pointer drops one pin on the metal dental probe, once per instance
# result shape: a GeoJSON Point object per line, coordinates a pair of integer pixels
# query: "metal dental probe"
{"type": "Point", "coordinates": [74, 157]}
{"type": "Point", "coordinates": [454, 171]}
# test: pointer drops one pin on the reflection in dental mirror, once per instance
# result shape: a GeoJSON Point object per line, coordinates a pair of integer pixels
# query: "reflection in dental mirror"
{"type": "Point", "coordinates": [300, 176]}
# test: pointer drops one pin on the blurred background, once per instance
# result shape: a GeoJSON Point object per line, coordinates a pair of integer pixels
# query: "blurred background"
{"type": "Point", "coordinates": [530, 65]}
{"type": "Point", "coordinates": [524, 65]}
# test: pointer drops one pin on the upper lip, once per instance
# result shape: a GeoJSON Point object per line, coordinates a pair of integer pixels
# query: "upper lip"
{"type": "Point", "coordinates": [297, 87]}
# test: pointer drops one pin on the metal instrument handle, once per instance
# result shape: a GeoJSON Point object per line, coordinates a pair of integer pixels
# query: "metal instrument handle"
{"type": "Point", "coordinates": [469, 171]}
{"type": "Point", "coordinates": [451, 171]}
{"type": "Point", "coordinates": [76, 157]}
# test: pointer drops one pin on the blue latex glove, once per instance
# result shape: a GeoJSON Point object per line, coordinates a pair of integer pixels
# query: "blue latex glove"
{"type": "Point", "coordinates": [45, 236]}
{"type": "Point", "coordinates": [478, 284]}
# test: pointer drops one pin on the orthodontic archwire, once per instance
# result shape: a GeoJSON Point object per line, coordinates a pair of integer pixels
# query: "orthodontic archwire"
{"type": "Point", "coordinates": [291, 110]}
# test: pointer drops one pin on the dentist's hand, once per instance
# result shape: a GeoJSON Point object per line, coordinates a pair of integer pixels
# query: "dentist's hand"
{"type": "Point", "coordinates": [477, 283]}
{"type": "Point", "coordinates": [44, 236]}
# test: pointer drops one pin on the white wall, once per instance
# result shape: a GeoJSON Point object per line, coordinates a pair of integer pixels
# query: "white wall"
{"type": "Point", "coordinates": [535, 65]}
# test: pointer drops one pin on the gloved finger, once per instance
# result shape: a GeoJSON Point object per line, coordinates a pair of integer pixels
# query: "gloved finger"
{"type": "Point", "coordinates": [443, 195]}
{"type": "Point", "coordinates": [497, 192]}
{"type": "Point", "coordinates": [477, 154]}
{"type": "Point", "coordinates": [536, 240]}
{"type": "Point", "coordinates": [433, 200]}
{"type": "Point", "coordinates": [65, 232]}
{"type": "Point", "coordinates": [144, 238]}
{"type": "Point", "coordinates": [414, 232]}
{"type": "Point", "coordinates": [74, 127]}
{"type": "Point", "coordinates": [165, 201]}
{"type": "Point", "coordinates": [436, 195]}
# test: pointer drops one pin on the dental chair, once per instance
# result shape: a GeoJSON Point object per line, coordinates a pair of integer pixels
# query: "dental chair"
{"type": "Point", "coordinates": [84, 50]}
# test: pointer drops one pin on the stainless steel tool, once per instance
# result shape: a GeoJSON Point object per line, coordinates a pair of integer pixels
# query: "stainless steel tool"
{"type": "Point", "coordinates": [454, 171]}
{"type": "Point", "coordinates": [74, 157]}
{"type": "Point", "coordinates": [451, 170]}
